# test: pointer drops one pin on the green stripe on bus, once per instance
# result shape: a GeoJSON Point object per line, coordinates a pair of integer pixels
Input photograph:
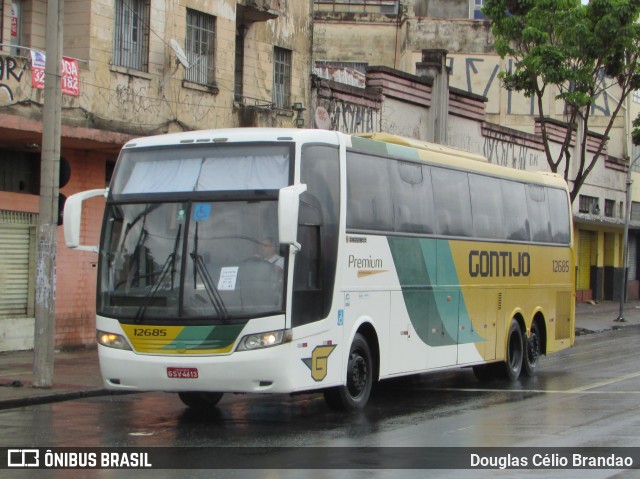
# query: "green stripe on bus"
{"type": "Point", "coordinates": [206, 337]}
{"type": "Point", "coordinates": [431, 291]}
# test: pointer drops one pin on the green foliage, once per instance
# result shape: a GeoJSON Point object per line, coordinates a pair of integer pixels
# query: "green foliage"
{"type": "Point", "coordinates": [564, 47]}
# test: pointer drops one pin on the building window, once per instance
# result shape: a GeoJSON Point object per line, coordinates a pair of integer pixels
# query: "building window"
{"type": "Point", "coordinates": [281, 77]}
{"type": "Point", "coordinates": [636, 96]}
{"type": "Point", "coordinates": [589, 205]}
{"type": "Point", "coordinates": [131, 34]}
{"type": "Point", "coordinates": [200, 47]}
{"type": "Point", "coordinates": [19, 172]}
{"type": "Point", "coordinates": [610, 208]}
{"type": "Point", "coordinates": [475, 9]}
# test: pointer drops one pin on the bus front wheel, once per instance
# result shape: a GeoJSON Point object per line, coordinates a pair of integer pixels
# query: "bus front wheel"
{"type": "Point", "coordinates": [515, 352]}
{"type": "Point", "coordinates": [200, 400]}
{"type": "Point", "coordinates": [354, 395]}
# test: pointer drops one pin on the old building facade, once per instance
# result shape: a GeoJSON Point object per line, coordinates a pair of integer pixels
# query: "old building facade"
{"type": "Point", "coordinates": [350, 37]}
{"type": "Point", "coordinates": [138, 67]}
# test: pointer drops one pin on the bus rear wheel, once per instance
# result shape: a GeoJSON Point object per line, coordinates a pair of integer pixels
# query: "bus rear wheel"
{"type": "Point", "coordinates": [515, 352]}
{"type": "Point", "coordinates": [200, 400]}
{"type": "Point", "coordinates": [533, 351]}
{"type": "Point", "coordinates": [354, 395]}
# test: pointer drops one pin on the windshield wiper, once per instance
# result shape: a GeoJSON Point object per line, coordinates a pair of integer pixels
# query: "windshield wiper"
{"type": "Point", "coordinates": [169, 265]}
{"type": "Point", "coordinates": [209, 285]}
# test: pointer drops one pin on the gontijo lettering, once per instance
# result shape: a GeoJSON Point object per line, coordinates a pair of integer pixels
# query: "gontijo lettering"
{"type": "Point", "coordinates": [497, 264]}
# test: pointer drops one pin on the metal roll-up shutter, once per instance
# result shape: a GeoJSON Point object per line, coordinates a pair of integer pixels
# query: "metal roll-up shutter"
{"type": "Point", "coordinates": [16, 265]}
{"type": "Point", "coordinates": [632, 274]}
{"type": "Point", "coordinates": [584, 260]}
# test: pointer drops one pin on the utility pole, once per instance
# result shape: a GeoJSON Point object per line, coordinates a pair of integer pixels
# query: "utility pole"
{"type": "Point", "coordinates": [47, 233]}
{"type": "Point", "coordinates": [625, 239]}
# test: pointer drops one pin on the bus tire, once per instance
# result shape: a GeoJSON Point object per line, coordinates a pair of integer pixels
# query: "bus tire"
{"type": "Point", "coordinates": [200, 400]}
{"type": "Point", "coordinates": [515, 352]}
{"type": "Point", "coordinates": [354, 395]}
{"type": "Point", "coordinates": [533, 351]}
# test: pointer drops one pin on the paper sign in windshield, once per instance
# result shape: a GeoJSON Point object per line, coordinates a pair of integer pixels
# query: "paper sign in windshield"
{"type": "Point", "coordinates": [228, 276]}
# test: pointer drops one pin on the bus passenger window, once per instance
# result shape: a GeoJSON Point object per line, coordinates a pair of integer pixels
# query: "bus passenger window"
{"type": "Point", "coordinates": [453, 205]}
{"type": "Point", "coordinates": [369, 203]}
{"type": "Point", "coordinates": [412, 198]}
{"type": "Point", "coordinates": [514, 200]}
{"type": "Point", "coordinates": [486, 202]}
{"type": "Point", "coordinates": [559, 215]}
{"type": "Point", "coordinates": [538, 214]}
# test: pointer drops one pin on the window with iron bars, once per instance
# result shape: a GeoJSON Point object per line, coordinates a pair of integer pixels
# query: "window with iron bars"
{"type": "Point", "coordinates": [281, 77]}
{"type": "Point", "coordinates": [610, 208]}
{"type": "Point", "coordinates": [131, 34]}
{"type": "Point", "coordinates": [200, 47]}
{"type": "Point", "coordinates": [589, 205]}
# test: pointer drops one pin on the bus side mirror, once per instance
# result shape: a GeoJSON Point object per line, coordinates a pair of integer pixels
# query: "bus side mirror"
{"type": "Point", "coordinates": [288, 206]}
{"type": "Point", "coordinates": [73, 217]}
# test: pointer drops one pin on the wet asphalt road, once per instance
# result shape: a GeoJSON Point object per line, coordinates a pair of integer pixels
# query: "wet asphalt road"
{"type": "Point", "coordinates": [588, 396]}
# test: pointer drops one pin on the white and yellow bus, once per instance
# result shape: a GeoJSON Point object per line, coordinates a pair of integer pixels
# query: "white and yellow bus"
{"type": "Point", "coordinates": [386, 257]}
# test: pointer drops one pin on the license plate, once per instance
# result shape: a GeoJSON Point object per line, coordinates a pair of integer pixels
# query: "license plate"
{"type": "Point", "coordinates": [182, 373]}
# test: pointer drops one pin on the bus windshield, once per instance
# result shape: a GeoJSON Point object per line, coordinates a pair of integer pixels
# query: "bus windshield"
{"type": "Point", "coordinates": [177, 247]}
{"type": "Point", "coordinates": [188, 260]}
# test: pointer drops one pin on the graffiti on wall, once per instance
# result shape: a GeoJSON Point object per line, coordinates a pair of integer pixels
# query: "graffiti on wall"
{"type": "Point", "coordinates": [479, 75]}
{"type": "Point", "coordinates": [346, 117]}
{"type": "Point", "coordinates": [10, 72]}
{"type": "Point", "coordinates": [502, 151]}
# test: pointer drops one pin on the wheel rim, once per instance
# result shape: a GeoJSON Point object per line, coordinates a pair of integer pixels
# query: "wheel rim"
{"type": "Point", "coordinates": [533, 349]}
{"type": "Point", "coordinates": [515, 352]}
{"type": "Point", "coordinates": [359, 374]}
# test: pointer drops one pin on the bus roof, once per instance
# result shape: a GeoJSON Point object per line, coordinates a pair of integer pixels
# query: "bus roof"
{"type": "Point", "coordinates": [234, 135]}
{"type": "Point", "coordinates": [422, 145]}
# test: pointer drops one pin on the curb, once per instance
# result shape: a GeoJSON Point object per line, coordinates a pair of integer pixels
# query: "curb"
{"type": "Point", "coordinates": [59, 397]}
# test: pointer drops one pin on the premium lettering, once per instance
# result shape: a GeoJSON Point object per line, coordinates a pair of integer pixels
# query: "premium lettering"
{"type": "Point", "coordinates": [364, 262]}
{"type": "Point", "coordinates": [498, 264]}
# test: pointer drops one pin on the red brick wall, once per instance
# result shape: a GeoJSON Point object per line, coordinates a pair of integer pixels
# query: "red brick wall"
{"type": "Point", "coordinates": [76, 271]}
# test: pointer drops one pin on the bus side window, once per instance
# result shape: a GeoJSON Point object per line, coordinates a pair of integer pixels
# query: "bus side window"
{"type": "Point", "coordinates": [486, 201]}
{"type": "Point", "coordinates": [559, 214]}
{"type": "Point", "coordinates": [514, 199]}
{"type": "Point", "coordinates": [538, 208]}
{"type": "Point", "coordinates": [412, 197]}
{"type": "Point", "coordinates": [315, 264]}
{"type": "Point", "coordinates": [367, 191]}
{"type": "Point", "coordinates": [453, 205]}
{"type": "Point", "coordinates": [307, 275]}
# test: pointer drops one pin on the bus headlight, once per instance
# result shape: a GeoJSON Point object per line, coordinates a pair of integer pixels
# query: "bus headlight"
{"type": "Point", "coordinates": [264, 340]}
{"type": "Point", "coordinates": [112, 340]}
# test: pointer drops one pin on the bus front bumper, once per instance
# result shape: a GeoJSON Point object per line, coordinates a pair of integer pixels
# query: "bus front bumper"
{"type": "Point", "coordinates": [261, 371]}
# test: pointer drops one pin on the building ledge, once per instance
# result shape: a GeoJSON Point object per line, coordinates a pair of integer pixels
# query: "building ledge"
{"type": "Point", "coordinates": [258, 10]}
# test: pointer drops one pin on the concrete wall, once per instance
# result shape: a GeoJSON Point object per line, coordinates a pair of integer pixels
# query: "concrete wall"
{"type": "Point", "coordinates": [440, 9]}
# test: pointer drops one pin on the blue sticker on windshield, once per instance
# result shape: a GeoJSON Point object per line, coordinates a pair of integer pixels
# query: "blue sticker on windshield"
{"type": "Point", "coordinates": [201, 211]}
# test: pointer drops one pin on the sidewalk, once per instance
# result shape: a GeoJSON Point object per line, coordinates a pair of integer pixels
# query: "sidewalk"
{"type": "Point", "coordinates": [77, 373]}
